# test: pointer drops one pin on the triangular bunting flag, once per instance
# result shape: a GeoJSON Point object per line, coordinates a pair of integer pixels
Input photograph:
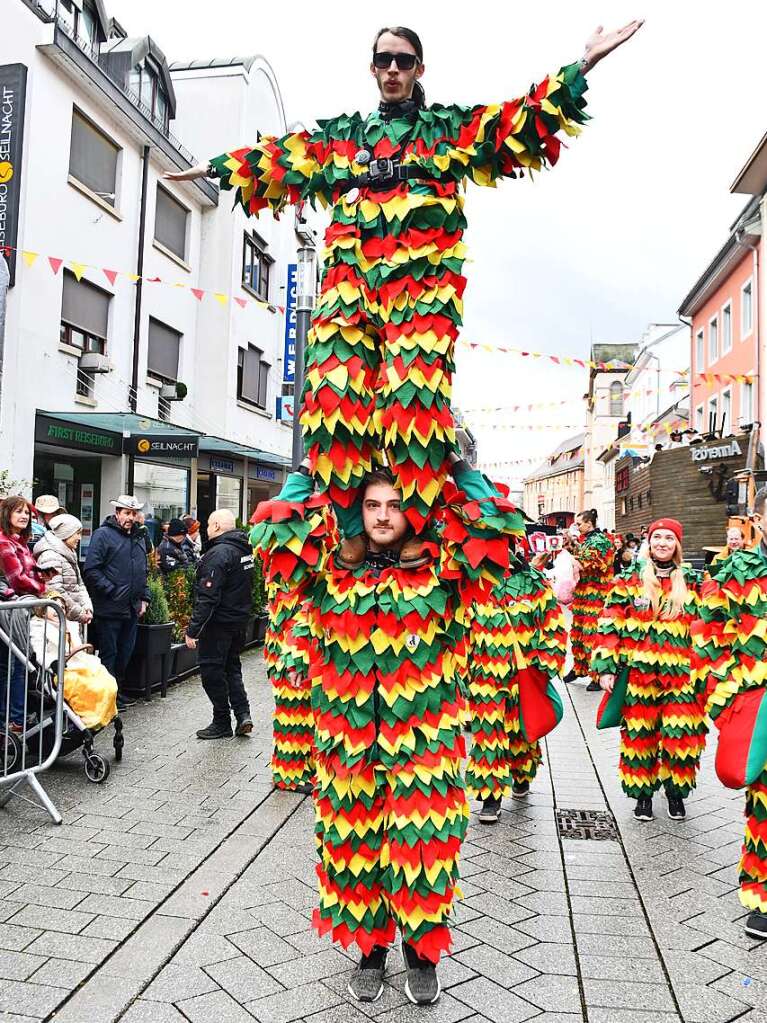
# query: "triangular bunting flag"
{"type": "Point", "coordinates": [78, 269]}
{"type": "Point", "coordinates": [133, 277]}
{"type": "Point", "coordinates": [220, 297]}
{"type": "Point", "coordinates": [55, 263]}
{"type": "Point", "coordinates": [241, 302]}
{"type": "Point", "coordinates": [29, 257]}
{"type": "Point", "coordinates": [111, 275]}
{"type": "Point", "coordinates": [197, 293]}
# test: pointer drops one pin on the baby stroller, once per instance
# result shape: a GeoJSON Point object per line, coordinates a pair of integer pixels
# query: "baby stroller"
{"type": "Point", "coordinates": [35, 642]}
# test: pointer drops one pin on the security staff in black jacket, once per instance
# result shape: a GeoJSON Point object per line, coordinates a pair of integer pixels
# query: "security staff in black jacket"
{"type": "Point", "coordinates": [222, 603]}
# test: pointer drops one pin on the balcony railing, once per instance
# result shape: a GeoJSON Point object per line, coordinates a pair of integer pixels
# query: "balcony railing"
{"type": "Point", "coordinates": [48, 10]}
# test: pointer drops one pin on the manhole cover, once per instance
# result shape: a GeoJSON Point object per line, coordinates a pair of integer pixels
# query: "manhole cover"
{"type": "Point", "coordinates": [598, 825]}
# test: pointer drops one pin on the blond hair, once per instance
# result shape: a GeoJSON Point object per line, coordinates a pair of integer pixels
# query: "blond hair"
{"type": "Point", "coordinates": [669, 607]}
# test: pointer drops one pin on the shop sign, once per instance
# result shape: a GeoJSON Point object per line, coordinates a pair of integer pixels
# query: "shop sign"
{"type": "Point", "coordinates": [730, 450]}
{"type": "Point", "coordinates": [269, 475]}
{"type": "Point", "coordinates": [221, 465]}
{"type": "Point", "coordinates": [13, 88]}
{"type": "Point", "coordinates": [161, 444]}
{"type": "Point", "coordinates": [285, 408]}
{"type": "Point", "coordinates": [81, 438]}
{"type": "Point", "coordinates": [291, 323]}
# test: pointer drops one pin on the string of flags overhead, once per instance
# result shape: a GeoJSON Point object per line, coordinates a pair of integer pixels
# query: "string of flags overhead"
{"type": "Point", "coordinates": [223, 298]}
{"type": "Point", "coordinates": [55, 263]}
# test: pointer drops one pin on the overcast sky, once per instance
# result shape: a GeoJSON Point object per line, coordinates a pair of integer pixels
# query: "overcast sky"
{"type": "Point", "coordinates": [610, 239]}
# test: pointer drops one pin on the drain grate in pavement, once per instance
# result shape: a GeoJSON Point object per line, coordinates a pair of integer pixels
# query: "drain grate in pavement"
{"type": "Point", "coordinates": [597, 825]}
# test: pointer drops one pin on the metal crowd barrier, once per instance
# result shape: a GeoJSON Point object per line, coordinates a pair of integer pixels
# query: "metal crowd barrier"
{"type": "Point", "coordinates": [31, 701]}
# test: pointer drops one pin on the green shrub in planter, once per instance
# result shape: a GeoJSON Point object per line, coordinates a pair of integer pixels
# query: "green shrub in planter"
{"type": "Point", "coordinates": [179, 588]}
{"type": "Point", "coordinates": [157, 613]}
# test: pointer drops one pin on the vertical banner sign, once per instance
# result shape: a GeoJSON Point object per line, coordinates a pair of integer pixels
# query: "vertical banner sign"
{"type": "Point", "coordinates": [87, 494]}
{"type": "Point", "coordinates": [289, 358]}
{"type": "Point", "coordinates": [13, 88]}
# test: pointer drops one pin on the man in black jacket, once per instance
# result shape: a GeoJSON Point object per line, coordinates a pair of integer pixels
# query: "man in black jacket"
{"type": "Point", "coordinates": [222, 603]}
{"type": "Point", "coordinates": [115, 573]}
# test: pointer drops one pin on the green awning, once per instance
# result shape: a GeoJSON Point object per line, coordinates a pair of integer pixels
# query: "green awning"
{"type": "Point", "coordinates": [219, 446]}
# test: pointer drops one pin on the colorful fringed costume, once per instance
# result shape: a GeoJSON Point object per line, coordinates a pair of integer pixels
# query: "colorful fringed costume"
{"type": "Point", "coordinates": [663, 730]}
{"type": "Point", "coordinates": [391, 810]}
{"type": "Point", "coordinates": [380, 355]}
{"type": "Point", "coordinates": [730, 660]}
{"type": "Point", "coordinates": [286, 656]}
{"type": "Point", "coordinates": [518, 622]}
{"type": "Point", "coordinates": [595, 555]}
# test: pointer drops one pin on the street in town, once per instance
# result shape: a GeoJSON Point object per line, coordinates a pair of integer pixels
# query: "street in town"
{"type": "Point", "coordinates": [182, 889]}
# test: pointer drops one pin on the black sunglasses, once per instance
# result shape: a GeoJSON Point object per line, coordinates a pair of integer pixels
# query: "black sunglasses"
{"type": "Point", "coordinates": [404, 61]}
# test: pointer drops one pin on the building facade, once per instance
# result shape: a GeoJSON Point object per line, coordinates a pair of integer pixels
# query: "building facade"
{"type": "Point", "coordinates": [604, 413]}
{"type": "Point", "coordinates": [145, 331]}
{"type": "Point", "coordinates": [553, 494]}
{"type": "Point", "coordinates": [723, 308]}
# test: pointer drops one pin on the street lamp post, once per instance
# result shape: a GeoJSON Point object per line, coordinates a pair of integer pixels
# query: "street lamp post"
{"type": "Point", "coordinates": [306, 283]}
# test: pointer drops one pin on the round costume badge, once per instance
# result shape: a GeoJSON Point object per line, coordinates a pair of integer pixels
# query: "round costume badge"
{"type": "Point", "coordinates": [352, 195]}
{"type": "Point", "coordinates": [412, 641]}
{"type": "Point", "coordinates": [362, 157]}
{"type": "Point", "coordinates": [641, 603]}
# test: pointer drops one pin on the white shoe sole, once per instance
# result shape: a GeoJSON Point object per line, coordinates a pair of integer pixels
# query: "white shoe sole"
{"type": "Point", "coordinates": [644, 820]}
{"type": "Point", "coordinates": [365, 1001]}
{"type": "Point", "coordinates": [415, 1002]}
{"type": "Point", "coordinates": [671, 816]}
{"type": "Point", "coordinates": [759, 935]}
{"type": "Point", "coordinates": [520, 795]}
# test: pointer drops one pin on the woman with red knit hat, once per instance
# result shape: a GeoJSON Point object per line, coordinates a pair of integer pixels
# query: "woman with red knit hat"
{"type": "Point", "coordinates": [645, 628]}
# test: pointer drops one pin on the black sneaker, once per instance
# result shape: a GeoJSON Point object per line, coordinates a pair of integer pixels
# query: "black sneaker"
{"type": "Point", "coordinates": [304, 788]}
{"type": "Point", "coordinates": [643, 809]}
{"type": "Point", "coordinates": [491, 811]}
{"type": "Point", "coordinates": [367, 981]}
{"type": "Point", "coordinates": [593, 687]}
{"type": "Point", "coordinates": [422, 984]}
{"type": "Point", "coordinates": [520, 789]}
{"type": "Point", "coordinates": [676, 809]}
{"type": "Point", "coordinates": [123, 701]}
{"type": "Point", "coordinates": [571, 676]}
{"type": "Point", "coordinates": [214, 731]}
{"type": "Point", "coordinates": [244, 725]}
{"type": "Point", "coordinates": [756, 925]}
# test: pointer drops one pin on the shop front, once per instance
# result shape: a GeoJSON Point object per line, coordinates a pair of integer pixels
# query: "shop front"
{"type": "Point", "coordinates": [160, 475]}
{"type": "Point", "coordinates": [68, 463]}
{"type": "Point", "coordinates": [235, 477]}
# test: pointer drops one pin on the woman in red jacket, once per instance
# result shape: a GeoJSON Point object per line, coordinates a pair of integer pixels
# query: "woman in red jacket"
{"type": "Point", "coordinates": [22, 578]}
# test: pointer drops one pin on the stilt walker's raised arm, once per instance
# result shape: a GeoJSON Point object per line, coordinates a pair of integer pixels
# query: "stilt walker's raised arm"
{"type": "Point", "coordinates": [275, 173]}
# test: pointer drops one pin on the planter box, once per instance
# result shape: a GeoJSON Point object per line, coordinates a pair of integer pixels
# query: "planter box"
{"type": "Point", "coordinates": [150, 664]}
{"type": "Point", "coordinates": [185, 661]}
{"type": "Point", "coordinates": [250, 632]}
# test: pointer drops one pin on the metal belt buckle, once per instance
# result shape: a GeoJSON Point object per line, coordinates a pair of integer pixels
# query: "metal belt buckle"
{"type": "Point", "coordinates": [381, 168]}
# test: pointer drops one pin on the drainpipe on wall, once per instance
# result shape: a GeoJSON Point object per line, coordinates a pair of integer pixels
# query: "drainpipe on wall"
{"type": "Point", "coordinates": [133, 392]}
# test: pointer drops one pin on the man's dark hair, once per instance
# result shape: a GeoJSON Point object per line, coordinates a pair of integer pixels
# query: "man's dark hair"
{"type": "Point", "coordinates": [419, 96]}
{"type": "Point", "coordinates": [381, 475]}
{"type": "Point", "coordinates": [7, 508]}
{"type": "Point", "coordinates": [760, 500]}
{"type": "Point", "coordinates": [589, 515]}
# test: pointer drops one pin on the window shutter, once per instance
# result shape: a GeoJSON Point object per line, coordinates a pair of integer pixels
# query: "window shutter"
{"type": "Point", "coordinates": [164, 343]}
{"type": "Point", "coordinates": [170, 223]}
{"type": "Point", "coordinates": [85, 306]}
{"type": "Point", "coordinates": [93, 158]}
{"type": "Point", "coordinates": [250, 374]}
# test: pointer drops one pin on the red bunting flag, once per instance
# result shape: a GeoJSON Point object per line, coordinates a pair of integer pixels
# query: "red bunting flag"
{"type": "Point", "coordinates": [197, 293]}
{"type": "Point", "coordinates": [111, 275]}
{"type": "Point", "coordinates": [242, 302]}
{"type": "Point", "coordinates": [55, 263]}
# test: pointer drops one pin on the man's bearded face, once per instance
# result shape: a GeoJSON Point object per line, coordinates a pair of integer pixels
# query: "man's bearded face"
{"type": "Point", "coordinates": [385, 525]}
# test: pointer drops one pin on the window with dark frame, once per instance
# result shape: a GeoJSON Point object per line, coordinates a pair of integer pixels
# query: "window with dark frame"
{"type": "Point", "coordinates": [93, 158]}
{"type": "Point", "coordinates": [146, 84]}
{"type": "Point", "coordinates": [163, 353]}
{"type": "Point", "coordinates": [84, 323]}
{"type": "Point", "coordinates": [252, 376]}
{"type": "Point", "coordinates": [256, 266]}
{"type": "Point", "coordinates": [170, 222]}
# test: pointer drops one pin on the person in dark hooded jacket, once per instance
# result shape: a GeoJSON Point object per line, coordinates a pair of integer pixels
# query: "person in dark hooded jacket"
{"type": "Point", "coordinates": [222, 606]}
{"type": "Point", "coordinates": [115, 573]}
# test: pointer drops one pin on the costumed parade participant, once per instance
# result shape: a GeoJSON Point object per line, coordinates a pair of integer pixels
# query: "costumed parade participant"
{"type": "Point", "coordinates": [517, 645]}
{"type": "Point", "coordinates": [594, 554]}
{"type": "Point", "coordinates": [384, 642]}
{"type": "Point", "coordinates": [642, 655]}
{"type": "Point", "coordinates": [730, 660]}
{"type": "Point", "coordinates": [380, 354]}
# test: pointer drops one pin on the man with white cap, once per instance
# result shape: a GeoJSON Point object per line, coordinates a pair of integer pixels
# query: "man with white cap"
{"type": "Point", "coordinates": [46, 507]}
{"type": "Point", "coordinates": [116, 575]}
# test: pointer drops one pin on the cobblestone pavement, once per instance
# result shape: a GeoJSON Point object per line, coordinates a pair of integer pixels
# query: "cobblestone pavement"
{"type": "Point", "coordinates": [182, 889]}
